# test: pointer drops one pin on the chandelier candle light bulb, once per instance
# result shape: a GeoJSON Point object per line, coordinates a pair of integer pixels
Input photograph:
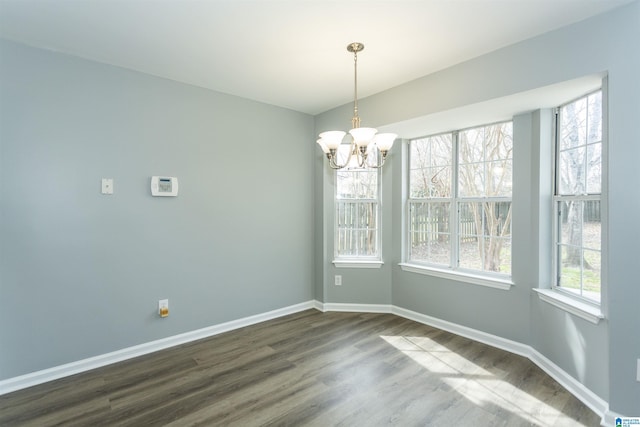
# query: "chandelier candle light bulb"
{"type": "Point", "coordinates": [363, 140]}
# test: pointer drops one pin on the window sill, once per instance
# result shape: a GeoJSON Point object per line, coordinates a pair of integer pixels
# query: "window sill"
{"type": "Point", "coordinates": [351, 263]}
{"type": "Point", "coordinates": [566, 303]}
{"type": "Point", "coordinates": [496, 283]}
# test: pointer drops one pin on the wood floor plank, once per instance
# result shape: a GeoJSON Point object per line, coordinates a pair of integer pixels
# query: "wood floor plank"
{"type": "Point", "coordinates": [309, 368]}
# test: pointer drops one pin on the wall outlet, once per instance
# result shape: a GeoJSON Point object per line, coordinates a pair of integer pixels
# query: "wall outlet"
{"type": "Point", "coordinates": [163, 307]}
{"type": "Point", "coordinates": [107, 185]}
{"type": "Point", "coordinates": [338, 280]}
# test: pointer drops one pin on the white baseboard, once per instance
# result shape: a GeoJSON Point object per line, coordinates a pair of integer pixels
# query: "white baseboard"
{"type": "Point", "coordinates": [586, 396]}
{"type": "Point", "coordinates": [56, 372]}
{"type": "Point", "coordinates": [357, 308]}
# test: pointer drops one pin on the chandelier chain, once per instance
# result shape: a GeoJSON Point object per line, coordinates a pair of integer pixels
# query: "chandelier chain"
{"type": "Point", "coordinates": [356, 119]}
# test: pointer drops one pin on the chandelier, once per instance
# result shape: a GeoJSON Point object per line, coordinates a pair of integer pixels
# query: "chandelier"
{"type": "Point", "coordinates": [364, 141]}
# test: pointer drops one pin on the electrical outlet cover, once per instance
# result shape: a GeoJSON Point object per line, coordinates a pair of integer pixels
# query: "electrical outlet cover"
{"type": "Point", "coordinates": [107, 185]}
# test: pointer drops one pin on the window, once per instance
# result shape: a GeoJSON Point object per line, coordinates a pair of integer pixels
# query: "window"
{"type": "Point", "coordinates": [577, 197]}
{"type": "Point", "coordinates": [459, 204]}
{"type": "Point", "coordinates": [357, 211]}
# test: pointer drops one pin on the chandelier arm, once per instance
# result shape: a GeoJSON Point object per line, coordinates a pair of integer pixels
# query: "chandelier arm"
{"type": "Point", "coordinates": [332, 159]}
{"type": "Point", "coordinates": [362, 156]}
{"type": "Point", "coordinates": [379, 163]}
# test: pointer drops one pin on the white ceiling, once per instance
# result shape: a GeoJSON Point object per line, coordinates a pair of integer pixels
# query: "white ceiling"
{"type": "Point", "coordinates": [290, 53]}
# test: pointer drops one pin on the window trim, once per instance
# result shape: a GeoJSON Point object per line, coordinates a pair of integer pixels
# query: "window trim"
{"type": "Point", "coordinates": [568, 302]}
{"type": "Point", "coordinates": [460, 275]}
{"type": "Point", "coordinates": [556, 295]}
{"type": "Point", "coordinates": [358, 261]}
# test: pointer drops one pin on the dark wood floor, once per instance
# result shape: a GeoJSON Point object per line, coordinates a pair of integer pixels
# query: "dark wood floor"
{"type": "Point", "coordinates": [310, 368]}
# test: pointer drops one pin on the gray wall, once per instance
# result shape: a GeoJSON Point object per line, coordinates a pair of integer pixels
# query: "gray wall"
{"type": "Point", "coordinates": [80, 272]}
{"type": "Point", "coordinates": [603, 356]}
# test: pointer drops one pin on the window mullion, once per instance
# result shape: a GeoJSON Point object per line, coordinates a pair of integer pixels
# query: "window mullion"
{"type": "Point", "coordinates": [454, 211]}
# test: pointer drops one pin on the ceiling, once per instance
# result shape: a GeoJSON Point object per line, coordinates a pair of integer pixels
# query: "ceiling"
{"type": "Point", "coordinates": [290, 53]}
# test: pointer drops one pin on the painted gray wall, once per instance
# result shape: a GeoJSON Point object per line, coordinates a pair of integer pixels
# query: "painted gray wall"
{"type": "Point", "coordinates": [603, 357]}
{"type": "Point", "coordinates": [81, 272]}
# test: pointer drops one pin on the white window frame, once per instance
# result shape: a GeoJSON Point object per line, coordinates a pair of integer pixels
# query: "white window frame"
{"type": "Point", "coordinates": [560, 296]}
{"type": "Point", "coordinates": [453, 270]}
{"type": "Point", "coordinates": [358, 260]}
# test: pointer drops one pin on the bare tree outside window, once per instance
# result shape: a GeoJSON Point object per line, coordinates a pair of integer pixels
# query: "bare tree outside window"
{"type": "Point", "coordinates": [464, 223]}
{"type": "Point", "coordinates": [485, 180]}
{"type": "Point", "coordinates": [431, 187]}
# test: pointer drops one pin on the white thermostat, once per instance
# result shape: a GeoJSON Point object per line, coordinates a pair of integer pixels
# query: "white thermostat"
{"type": "Point", "coordinates": [164, 186]}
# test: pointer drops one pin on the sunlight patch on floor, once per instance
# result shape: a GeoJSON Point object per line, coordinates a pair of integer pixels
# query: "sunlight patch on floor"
{"type": "Point", "coordinates": [478, 385]}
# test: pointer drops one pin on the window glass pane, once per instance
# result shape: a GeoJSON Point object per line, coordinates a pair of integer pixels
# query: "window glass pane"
{"type": "Point", "coordinates": [571, 168]}
{"type": "Point", "coordinates": [570, 221]}
{"type": "Point", "coordinates": [583, 280]}
{"type": "Point", "coordinates": [579, 247]}
{"type": "Point", "coordinates": [573, 124]}
{"type": "Point", "coordinates": [367, 215]}
{"type": "Point", "coordinates": [595, 117]}
{"type": "Point", "coordinates": [419, 183]}
{"type": "Point", "coordinates": [592, 225]}
{"type": "Point", "coordinates": [499, 178]}
{"type": "Point", "coordinates": [430, 232]}
{"type": "Point", "coordinates": [498, 141]}
{"type": "Point", "coordinates": [497, 254]}
{"type": "Point", "coordinates": [570, 274]}
{"type": "Point", "coordinates": [591, 275]}
{"type": "Point", "coordinates": [580, 148]}
{"type": "Point", "coordinates": [594, 168]}
{"type": "Point", "coordinates": [580, 224]}
{"type": "Point", "coordinates": [346, 216]}
{"type": "Point", "coordinates": [357, 184]}
{"type": "Point", "coordinates": [485, 154]}
{"type": "Point", "coordinates": [430, 171]}
{"type": "Point", "coordinates": [469, 250]}
{"type": "Point", "coordinates": [357, 229]}
{"type": "Point", "coordinates": [367, 242]}
{"type": "Point", "coordinates": [471, 146]}
{"type": "Point", "coordinates": [441, 150]}
{"type": "Point", "coordinates": [347, 242]}
{"type": "Point", "coordinates": [485, 236]}
{"type": "Point", "coordinates": [434, 251]}
{"type": "Point", "coordinates": [419, 153]}
{"type": "Point", "coordinates": [431, 182]}
{"type": "Point", "coordinates": [470, 222]}
{"type": "Point", "coordinates": [497, 219]}
{"type": "Point", "coordinates": [471, 180]}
